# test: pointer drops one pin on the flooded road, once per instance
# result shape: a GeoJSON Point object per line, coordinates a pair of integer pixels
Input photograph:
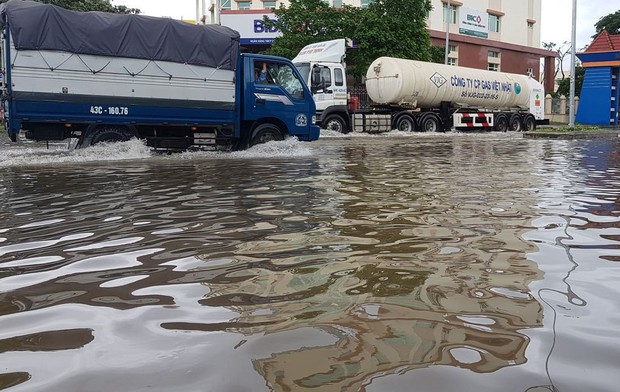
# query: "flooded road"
{"type": "Point", "coordinates": [480, 262]}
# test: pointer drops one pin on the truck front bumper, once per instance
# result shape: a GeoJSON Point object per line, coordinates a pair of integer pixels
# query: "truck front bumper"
{"type": "Point", "coordinates": [315, 131]}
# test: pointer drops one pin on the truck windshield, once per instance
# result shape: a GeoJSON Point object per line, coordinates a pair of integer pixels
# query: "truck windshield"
{"type": "Point", "coordinates": [304, 71]}
{"type": "Point", "coordinates": [285, 77]}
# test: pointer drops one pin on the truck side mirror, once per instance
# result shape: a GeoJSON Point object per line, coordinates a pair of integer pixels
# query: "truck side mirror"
{"type": "Point", "coordinates": [315, 79]}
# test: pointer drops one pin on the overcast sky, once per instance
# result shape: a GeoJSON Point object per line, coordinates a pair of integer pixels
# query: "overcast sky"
{"type": "Point", "coordinates": [557, 16]}
{"type": "Point", "coordinates": [555, 24]}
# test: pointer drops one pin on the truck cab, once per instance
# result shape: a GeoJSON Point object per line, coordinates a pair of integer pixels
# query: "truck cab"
{"type": "Point", "coordinates": [275, 100]}
{"type": "Point", "coordinates": [322, 66]}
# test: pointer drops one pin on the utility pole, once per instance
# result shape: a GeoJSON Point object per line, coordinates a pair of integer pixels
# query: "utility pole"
{"type": "Point", "coordinates": [214, 9]}
{"type": "Point", "coordinates": [448, 16]}
{"type": "Point", "coordinates": [571, 106]}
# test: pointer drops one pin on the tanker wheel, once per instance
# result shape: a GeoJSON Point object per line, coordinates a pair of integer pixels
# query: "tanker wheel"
{"type": "Point", "coordinates": [405, 123]}
{"type": "Point", "coordinates": [529, 123]}
{"type": "Point", "coordinates": [266, 133]}
{"type": "Point", "coordinates": [109, 135]}
{"type": "Point", "coordinates": [501, 123]}
{"type": "Point", "coordinates": [430, 123]}
{"type": "Point", "coordinates": [335, 123]}
{"type": "Point", "coordinates": [515, 123]}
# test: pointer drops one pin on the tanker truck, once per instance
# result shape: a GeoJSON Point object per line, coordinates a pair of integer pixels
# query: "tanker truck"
{"type": "Point", "coordinates": [102, 77]}
{"type": "Point", "coordinates": [411, 95]}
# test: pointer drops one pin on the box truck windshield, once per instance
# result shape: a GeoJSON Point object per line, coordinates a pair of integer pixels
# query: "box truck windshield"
{"type": "Point", "coordinates": [304, 70]}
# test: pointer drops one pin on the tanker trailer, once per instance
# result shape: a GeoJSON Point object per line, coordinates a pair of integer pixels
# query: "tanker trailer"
{"type": "Point", "coordinates": [432, 97]}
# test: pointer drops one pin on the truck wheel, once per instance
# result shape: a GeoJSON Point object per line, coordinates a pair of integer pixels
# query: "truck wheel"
{"type": "Point", "coordinates": [501, 123]}
{"type": "Point", "coordinates": [430, 123]}
{"type": "Point", "coordinates": [515, 123]}
{"type": "Point", "coordinates": [405, 123]}
{"type": "Point", "coordinates": [335, 123]}
{"type": "Point", "coordinates": [109, 135]}
{"type": "Point", "coordinates": [529, 123]}
{"type": "Point", "coordinates": [266, 133]}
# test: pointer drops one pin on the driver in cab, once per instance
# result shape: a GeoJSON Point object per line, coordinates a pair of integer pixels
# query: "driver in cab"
{"type": "Point", "coordinates": [261, 75]}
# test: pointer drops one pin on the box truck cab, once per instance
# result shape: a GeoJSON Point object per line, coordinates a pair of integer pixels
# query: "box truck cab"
{"type": "Point", "coordinates": [323, 68]}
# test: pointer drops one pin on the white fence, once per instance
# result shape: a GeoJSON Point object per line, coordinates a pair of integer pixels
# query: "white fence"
{"type": "Point", "coordinates": [557, 109]}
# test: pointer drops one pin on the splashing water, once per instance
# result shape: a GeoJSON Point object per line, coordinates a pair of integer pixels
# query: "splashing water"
{"type": "Point", "coordinates": [40, 155]}
{"type": "Point", "coordinates": [291, 147]}
{"type": "Point", "coordinates": [135, 150]}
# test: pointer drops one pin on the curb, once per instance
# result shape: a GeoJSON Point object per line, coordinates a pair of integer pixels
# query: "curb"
{"type": "Point", "coordinates": [572, 135]}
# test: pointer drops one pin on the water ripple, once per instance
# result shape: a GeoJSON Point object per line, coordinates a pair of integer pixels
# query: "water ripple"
{"type": "Point", "coordinates": [352, 263]}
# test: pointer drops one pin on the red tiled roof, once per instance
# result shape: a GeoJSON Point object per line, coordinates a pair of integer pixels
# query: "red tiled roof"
{"type": "Point", "coordinates": [604, 43]}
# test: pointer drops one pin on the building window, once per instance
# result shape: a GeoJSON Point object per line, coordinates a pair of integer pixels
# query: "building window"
{"type": "Point", "coordinates": [493, 67]}
{"type": "Point", "coordinates": [452, 48]}
{"type": "Point", "coordinates": [269, 5]}
{"type": "Point", "coordinates": [337, 3]}
{"type": "Point", "coordinates": [493, 54]}
{"type": "Point", "coordinates": [338, 77]}
{"type": "Point", "coordinates": [494, 23]}
{"type": "Point", "coordinates": [449, 15]}
{"type": "Point", "coordinates": [366, 3]}
{"type": "Point", "coordinates": [530, 25]}
{"type": "Point", "coordinates": [225, 4]}
{"type": "Point", "coordinates": [243, 5]}
{"type": "Point", "coordinates": [530, 71]}
{"type": "Point", "coordinates": [452, 61]}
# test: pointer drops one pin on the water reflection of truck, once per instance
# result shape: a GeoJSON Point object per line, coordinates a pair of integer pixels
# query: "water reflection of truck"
{"type": "Point", "coordinates": [107, 77]}
{"type": "Point", "coordinates": [412, 95]}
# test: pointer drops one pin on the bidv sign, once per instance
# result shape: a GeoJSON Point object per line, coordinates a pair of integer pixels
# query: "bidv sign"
{"type": "Point", "coordinates": [474, 18]}
{"type": "Point", "coordinates": [251, 27]}
{"type": "Point", "coordinates": [474, 23]}
{"type": "Point", "coordinates": [259, 26]}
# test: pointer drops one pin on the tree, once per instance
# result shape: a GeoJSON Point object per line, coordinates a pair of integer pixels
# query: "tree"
{"type": "Point", "coordinates": [438, 54]}
{"type": "Point", "coordinates": [89, 5]}
{"type": "Point", "coordinates": [394, 28]}
{"type": "Point", "coordinates": [564, 84]}
{"type": "Point", "coordinates": [308, 21]}
{"type": "Point", "coordinates": [611, 23]}
{"type": "Point", "coordinates": [562, 50]}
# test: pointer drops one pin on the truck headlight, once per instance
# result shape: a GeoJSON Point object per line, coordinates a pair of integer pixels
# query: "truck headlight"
{"type": "Point", "coordinates": [314, 120]}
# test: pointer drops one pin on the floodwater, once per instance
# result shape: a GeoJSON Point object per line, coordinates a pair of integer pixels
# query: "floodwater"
{"type": "Point", "coordinates": [456, 262]}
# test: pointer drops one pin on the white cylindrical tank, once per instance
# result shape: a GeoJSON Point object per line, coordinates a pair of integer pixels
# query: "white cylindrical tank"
{"type": "Point", "coordinates": [425, 85]}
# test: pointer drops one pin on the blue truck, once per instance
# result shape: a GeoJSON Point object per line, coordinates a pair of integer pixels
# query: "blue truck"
{"type": "Point", "coordinates": [102, 77]}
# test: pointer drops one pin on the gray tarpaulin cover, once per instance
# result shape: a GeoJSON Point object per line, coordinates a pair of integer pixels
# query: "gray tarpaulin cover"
{"type": "Point", "coordinates": [37, 26]}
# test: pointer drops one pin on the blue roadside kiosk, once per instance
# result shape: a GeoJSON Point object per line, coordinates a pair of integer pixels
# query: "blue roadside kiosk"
{"type": "Point", "coordinates": [600, 93]}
